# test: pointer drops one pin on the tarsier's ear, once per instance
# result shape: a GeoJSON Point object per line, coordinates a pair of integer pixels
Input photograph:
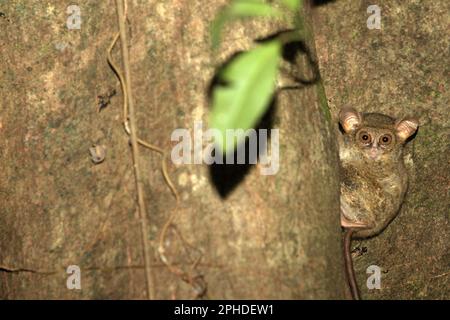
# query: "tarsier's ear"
{"type": "Point", "coordinates": [406, 127]}
{"type": "Point", "coordinates": [350, 119]}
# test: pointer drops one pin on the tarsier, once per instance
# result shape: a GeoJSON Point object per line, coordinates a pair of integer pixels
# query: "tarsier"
{"type": "Point", "coordinates": [373, 175]}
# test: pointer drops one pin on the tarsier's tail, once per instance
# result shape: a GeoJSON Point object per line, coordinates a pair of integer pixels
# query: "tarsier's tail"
{"type": "Point", "coordinates": [349, 271]}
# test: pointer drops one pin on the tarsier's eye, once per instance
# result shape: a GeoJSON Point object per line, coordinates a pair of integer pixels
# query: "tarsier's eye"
{"type": "Point", "coordinates": [385, 139]}
{"type": "Point", "coordinates": [365, 137]}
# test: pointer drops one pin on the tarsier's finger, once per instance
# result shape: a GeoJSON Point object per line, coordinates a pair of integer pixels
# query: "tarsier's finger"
{"type": "Point", "coordinates": [345, 223]}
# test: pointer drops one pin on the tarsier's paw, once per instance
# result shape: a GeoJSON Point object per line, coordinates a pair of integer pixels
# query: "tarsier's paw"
{"type": "Point", "coordinates": [345, 223]}
{"type": "Point", "coordinates": [348, 211]}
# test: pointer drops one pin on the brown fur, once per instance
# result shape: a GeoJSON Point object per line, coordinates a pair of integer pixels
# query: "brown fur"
{"type": "Point", "coordinates": [373, 177]}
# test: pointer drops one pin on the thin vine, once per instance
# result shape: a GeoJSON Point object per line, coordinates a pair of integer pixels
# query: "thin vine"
{"type": "Point", "coordinates": [129, 124]}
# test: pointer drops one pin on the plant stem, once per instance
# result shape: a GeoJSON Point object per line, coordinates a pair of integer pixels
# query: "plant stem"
{"type": "Point", "coordinates": [135, 149]}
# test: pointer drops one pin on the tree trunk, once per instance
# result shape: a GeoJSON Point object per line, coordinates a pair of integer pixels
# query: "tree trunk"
{"type": "Point", "coordinates": [237, 233]}
{"type": "Point", "coordinates": [399, 70]}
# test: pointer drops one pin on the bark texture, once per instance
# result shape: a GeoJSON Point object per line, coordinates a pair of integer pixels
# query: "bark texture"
{"type": "Point", "coordinates": [399, 70]}
{"type": "Point", "coordinates": [269, 237]}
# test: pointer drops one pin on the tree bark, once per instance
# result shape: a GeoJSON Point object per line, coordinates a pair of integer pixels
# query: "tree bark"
{"type": "Point", "coordinates": [399, 70]}
{"type": "Point", "coordinates": [238, 234]}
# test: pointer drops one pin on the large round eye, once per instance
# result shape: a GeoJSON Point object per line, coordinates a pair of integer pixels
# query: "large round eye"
{"type": "Point", "coordinates": [385, 139]}
{"type": "Point", "coordinates": [365, 137]}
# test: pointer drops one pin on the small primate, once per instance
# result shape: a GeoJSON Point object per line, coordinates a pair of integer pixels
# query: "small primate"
{"type": "Point", "coordinates": [373, 175]}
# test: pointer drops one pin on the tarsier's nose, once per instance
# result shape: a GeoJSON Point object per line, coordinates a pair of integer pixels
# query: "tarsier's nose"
{"type": "Point", "coordinates": [374, 152]}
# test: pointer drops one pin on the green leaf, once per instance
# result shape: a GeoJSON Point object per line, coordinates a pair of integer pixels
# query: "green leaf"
{"type": "Point", "coordinates": [292, 4]}
{"type": "Point", "coordinates": [250, 80]}
{"type": "Point", "coordinates": [239, 9]}
{"type": "Point", "coordinates": [252, 8]}
{"type": "Point", "coordinates": [217, 26]}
